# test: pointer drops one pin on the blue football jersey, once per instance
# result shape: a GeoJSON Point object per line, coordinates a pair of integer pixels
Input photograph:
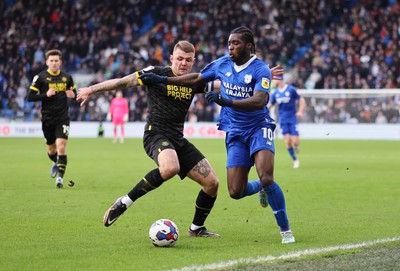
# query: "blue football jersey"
{"type": "Point", "coordinates": [240, 82]}
{"type": "Point", "coordinates": [286, 99]}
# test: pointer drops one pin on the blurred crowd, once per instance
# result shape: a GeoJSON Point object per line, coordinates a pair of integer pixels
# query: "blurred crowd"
{"type": "Point", "coordinates": [351, 44]}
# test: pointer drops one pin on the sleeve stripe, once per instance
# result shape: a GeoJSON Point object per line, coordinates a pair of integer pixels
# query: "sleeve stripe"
{"type": "Point", "coordinates": [210, 86]}
{"type": "Point", "coordinates": [33, 88]}
{"type": "Point", "coordinates": [140, 81]}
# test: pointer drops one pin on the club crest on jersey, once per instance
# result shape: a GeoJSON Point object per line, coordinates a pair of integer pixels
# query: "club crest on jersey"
{"type": "Point", "coordinates": [265, 82]}
{"type": "Point", "coordinates": [247, 78]}
{"type": "Point", "coordinates": [64, 79]}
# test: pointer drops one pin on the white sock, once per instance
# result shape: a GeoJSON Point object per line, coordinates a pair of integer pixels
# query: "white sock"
{"type": "Point", "coordinates": [194, 227]}
{"type": "Point", "coordinates": [127, 201]}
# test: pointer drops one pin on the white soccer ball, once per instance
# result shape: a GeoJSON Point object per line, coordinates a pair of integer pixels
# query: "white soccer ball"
{"type": "Point", "coordinates": [163, 233]}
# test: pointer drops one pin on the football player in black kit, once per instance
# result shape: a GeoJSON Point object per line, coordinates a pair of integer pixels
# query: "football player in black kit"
{"type": "Point", "coordinates": [53, 87]}
{"type": "Point", "coordinates": [163, 138]}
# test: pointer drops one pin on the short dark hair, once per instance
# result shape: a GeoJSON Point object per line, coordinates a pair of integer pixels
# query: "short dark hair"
{"type": "Point", "coordinates": [53, 52]}
{"type": "Point", "coordinates": [185, 46]}
{"type": "Point", "coordinates": [247, 35]}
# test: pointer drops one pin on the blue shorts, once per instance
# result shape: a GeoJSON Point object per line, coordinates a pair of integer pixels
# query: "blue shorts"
{"type": "Point", "coordinates": [289, 128]}
{"type": "Point", "coordinates": [241, 146]}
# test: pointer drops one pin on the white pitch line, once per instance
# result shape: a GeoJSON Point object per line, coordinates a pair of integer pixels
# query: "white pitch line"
{"type": "Point", "coordinates": [290, 255]}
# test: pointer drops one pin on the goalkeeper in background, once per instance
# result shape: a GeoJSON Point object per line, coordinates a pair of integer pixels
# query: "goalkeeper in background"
{"type": "Point", "coordinates": [287, 98]}
{"type": "Point", "coordinates": [119, 113]}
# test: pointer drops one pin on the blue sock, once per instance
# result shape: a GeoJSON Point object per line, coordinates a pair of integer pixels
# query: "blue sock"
{"type": "Point", "coordinates": [252, 188]}
{"type": "Point", "coordinates": [276, 200]}
{"type": "Point", "coordinates": [292, 154]}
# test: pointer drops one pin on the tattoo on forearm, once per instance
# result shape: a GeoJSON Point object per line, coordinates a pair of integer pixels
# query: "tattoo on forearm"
{"type": "Point", "coordinates": [112, 84]}
{"type": "Point", "coordinates": [202, 168]}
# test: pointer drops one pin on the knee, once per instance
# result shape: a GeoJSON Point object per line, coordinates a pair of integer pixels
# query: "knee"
{"type": "Point", "coordinates": [267, 180]}
{"type": "Point", "coordinates": [51, 149]}
{"type": "Point", "coordinates": [211, 187]}
{"type": "Point", "coordinates": [235, 193]}
{"type": "Point", "coordinates": [169, 172]}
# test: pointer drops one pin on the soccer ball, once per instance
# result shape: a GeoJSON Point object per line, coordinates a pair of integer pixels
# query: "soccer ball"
{"type": "Point", "coordinates": [163, 233]}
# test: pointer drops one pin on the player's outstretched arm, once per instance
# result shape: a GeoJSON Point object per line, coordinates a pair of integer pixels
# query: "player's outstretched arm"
{"type": "Point", "coordinates": [108, 85]}
{"type": "Point", "coordinates": [190, 79]}
{"type": "Point", "coordinates": [255, 102]}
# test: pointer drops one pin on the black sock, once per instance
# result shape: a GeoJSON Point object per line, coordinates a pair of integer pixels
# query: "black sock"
{"type": "Point", "coordinates": [53, 157]}
{"type": "Point", "coordinates": [151, 181]}
{"type": "Point", "coordinates": [204, 204]}
{"type": "Point", "coordinates": [62, 165]}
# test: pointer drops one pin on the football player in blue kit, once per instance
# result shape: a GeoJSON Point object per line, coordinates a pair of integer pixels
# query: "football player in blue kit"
{"type": "Point", "coordinates": [286, 97]}
{"type": "Point", "coordinates": [243, 81]}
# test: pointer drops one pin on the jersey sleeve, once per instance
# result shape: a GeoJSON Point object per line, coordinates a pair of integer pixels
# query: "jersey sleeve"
{"type": "Point", "coordinates": [296, 95]}
{"type": "Point", "coordinates": [72, 85]}
{"type": "Point", "coordinates": [36, 83]}
{"type": "Point", "coordinates": [34, 90]}
{"type": "Point", "coordinates": [263, 78]}
{"type": "Point", "coordinates": [153, 69]}
{"type": "Point", "coordinates": [209, 72]}
{"type": "Point", "coordinates": [126, 107]}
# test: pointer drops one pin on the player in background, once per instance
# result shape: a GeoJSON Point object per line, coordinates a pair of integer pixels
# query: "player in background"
{"type": "Point", "coordinates": [53, 87]}
{"type": "Point", "coordinates": [118, 114]}
{"type": "Point", "coordinates": [286, 97]}
{"type": "Point", "coordinates": [244, 91]}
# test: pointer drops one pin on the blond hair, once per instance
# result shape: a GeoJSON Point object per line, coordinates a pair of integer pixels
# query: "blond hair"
{"type": "Point", "coordinates": [185, 46]}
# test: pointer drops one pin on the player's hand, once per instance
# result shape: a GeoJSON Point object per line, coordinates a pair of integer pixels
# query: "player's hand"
{"type": "Point", "coordinates": [215, 97]}
{"type": "Point", "coordinates": [51, 92]}
{"type": "Point", "coordinates": [83, 95]}
{"type": "Point", "coordinates": [299, 115]}
{"type": "Point", "coordinates": [126, 117]}
{"type": "Point", "coordinates": [150, 78]}
{"type": "Point", "coordinates": [70, 93]}
{"type": "Point", "coordinates": [108, 116]}
{"type": "Point", "coordinates": [277, 72]}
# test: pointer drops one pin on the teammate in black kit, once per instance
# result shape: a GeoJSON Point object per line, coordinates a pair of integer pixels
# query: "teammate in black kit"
{"type": "Point", "coordinates": [53, 87]}
{"type": "Point", "coordinates": [164, 141]}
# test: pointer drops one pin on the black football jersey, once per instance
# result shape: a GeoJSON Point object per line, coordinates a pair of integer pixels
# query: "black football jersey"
{"type": "Point", "coordinates": [57, 105]}
{"type": "Point", "coordinates": [168, 104]}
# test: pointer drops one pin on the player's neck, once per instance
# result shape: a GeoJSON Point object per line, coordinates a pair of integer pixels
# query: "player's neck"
{"type": "Point", "coordinates": [243, 60]}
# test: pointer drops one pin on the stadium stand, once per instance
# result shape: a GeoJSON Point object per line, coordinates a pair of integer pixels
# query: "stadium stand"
{"type": "Point", "coordinates": [350, 44]}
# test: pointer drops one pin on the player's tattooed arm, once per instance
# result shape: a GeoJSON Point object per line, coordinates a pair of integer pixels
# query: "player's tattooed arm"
{"type": "Point", "coordinates": [108, 85]}
{"type": "Point", "coordinates": [112, 84]}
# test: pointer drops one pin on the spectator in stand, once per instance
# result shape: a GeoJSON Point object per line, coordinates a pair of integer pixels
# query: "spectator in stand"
{"type": "Point", "coordinates": [347, 38]}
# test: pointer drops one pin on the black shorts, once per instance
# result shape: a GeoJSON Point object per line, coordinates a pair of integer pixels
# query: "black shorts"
{"type": "Point", "coordinates": [154, 142]}
{"type": "Point", "coordinates": [53, 129]}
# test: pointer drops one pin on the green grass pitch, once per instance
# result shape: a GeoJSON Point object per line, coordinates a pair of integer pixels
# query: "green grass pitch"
{"type": "Point", "coordinates": [344, 192]}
